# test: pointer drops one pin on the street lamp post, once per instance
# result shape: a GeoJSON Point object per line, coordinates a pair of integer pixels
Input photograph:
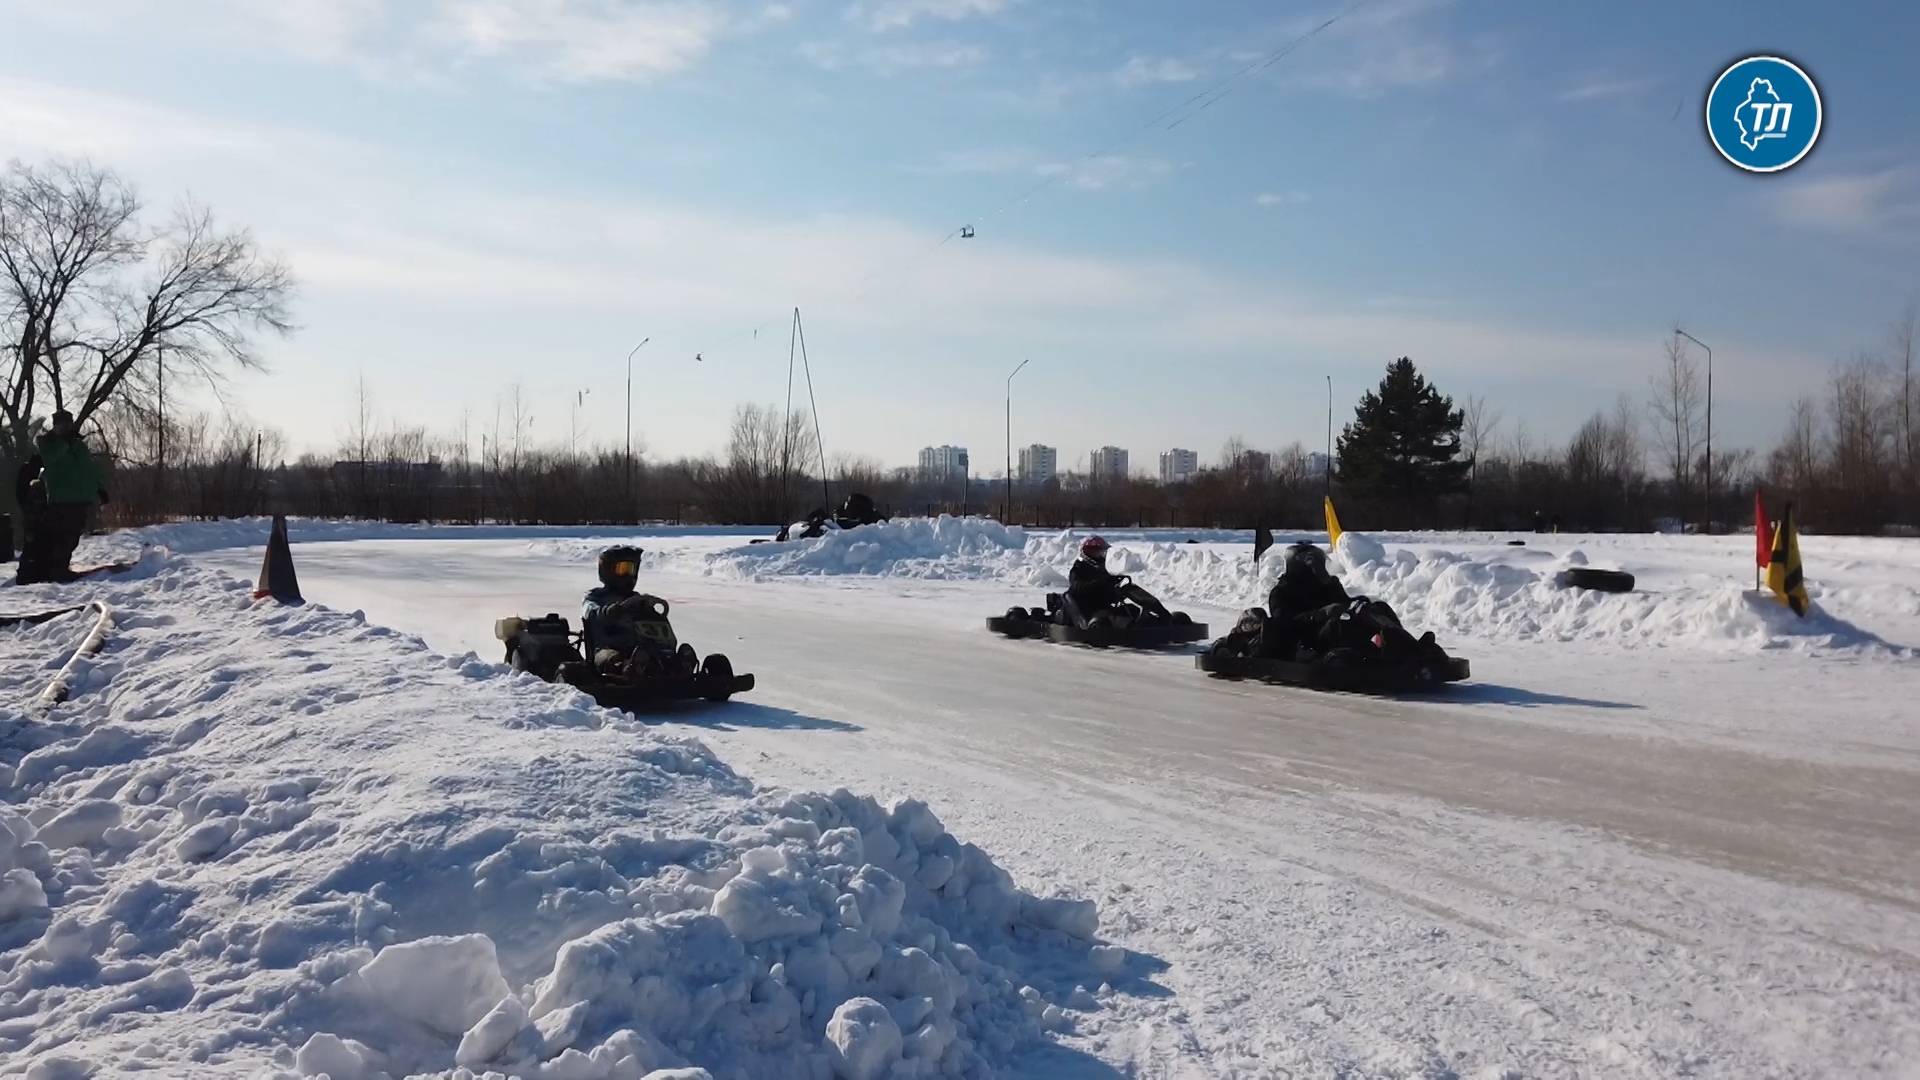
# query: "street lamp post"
{"type": "Point", "coordinates": [629, 480]}
{"type": "Point", "coordinates": [1006, 505]}
{"type": "Point", "coordinates": [1328, 464]}
{"type": "Point", "coordinates": [1708, 523]}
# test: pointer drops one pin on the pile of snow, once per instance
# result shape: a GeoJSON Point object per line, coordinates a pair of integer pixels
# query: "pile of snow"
{"type": "Point", "coordinates": [279, 841]}
{"type": "Point", "coordinates": [1450, 593]}
{"type": "Point", "coordinates": [944, 548]}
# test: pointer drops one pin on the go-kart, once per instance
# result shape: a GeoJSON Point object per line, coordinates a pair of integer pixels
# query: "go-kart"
{"type": "Point", "coordinates": [1139, 621]}
{"type": "Point", "coordinates": [1373, 666]}
{"type": "Point", "coordinates": [662, 670]}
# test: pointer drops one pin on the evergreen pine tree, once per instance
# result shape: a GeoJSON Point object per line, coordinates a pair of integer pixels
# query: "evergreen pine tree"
{"type": "Point", "coordinates": [1404, 441]}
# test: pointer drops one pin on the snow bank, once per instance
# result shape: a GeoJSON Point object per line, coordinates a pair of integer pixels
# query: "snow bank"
{"type": "Point", "coordinates": [929, 548]}
{"type": "Point", "coordinates": [279, 841]}
{"type": "Point", "coordinates": [187, 537]}
{"type": "Point", "coordinates": [1451, 593]}
{"type": "Point", "coordinates": [1514, 596]}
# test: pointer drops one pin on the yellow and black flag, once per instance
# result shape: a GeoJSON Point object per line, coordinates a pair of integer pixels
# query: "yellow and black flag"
{"type": "Point", "coordinates": [1783, 565]}
{"type": "Point", "coordinates": [1333, 524]}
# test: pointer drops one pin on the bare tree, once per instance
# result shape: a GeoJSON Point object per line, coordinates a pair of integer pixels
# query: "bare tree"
{"type": "Point", "coordinates": [1233, 452]}
{"type": "Point", "coordinates": [363, 431]}
{"type": "Point", "coordinates": [1479, 423]}
{"type": "Point", "coordinates": [765, 461]}
{"type": "Point", "coordinates": [1290, 465]}
{"type": "Point", "coordinates": [858, 472]}
{"type": "Point", "coordinates": [1859, 437]}
{"type": "Point", "coordinates": [1676, 401]}
{"type": "Point", "coordinates": [1794, 464]}
{"type": "Point", "coordinates": [522, 417]}
{"type": "Point", "coordinates": [1627, 458]}
{"type": "Point", "coordinates": [1521, 447]}
{"type": "Point", "coordinates": [1906, 335]}
{"type": "Point", "coordinates": [1603, 462]}
{"type": "Point", "coordinates": [89, 301]}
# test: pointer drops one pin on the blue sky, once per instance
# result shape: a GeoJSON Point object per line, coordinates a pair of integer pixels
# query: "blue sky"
{"type": "Point", "coordinates": [482, 193]}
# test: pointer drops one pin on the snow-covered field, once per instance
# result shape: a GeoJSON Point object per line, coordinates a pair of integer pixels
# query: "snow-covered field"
{"type": "Point", "coordinates": [1672, 833]}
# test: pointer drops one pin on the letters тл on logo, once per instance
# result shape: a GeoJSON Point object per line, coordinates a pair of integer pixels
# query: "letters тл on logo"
{"type": "Point", "coordinates": [1763, 113]}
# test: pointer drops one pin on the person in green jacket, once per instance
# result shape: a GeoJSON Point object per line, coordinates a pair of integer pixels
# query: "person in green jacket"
{"type": "Point", "coordinates": [70, 484]}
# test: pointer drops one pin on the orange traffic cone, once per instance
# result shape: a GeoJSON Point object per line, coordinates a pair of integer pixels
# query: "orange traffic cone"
{"type": "Point", "coordinates": [276, 570]}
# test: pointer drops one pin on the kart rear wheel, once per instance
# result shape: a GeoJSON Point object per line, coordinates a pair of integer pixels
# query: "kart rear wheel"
{"type": "Point", "coordinates": [719, 670]}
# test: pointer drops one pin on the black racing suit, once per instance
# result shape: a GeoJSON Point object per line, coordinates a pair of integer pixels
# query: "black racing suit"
{"type": "Point", "coordinates": [1315, 613]}
{"type": "Point", "coordinates": [1300, 610]}
{"type": "Point", "coordinates": [624, 631]}
{"type": "Point", "coordinates": [1091, 590]}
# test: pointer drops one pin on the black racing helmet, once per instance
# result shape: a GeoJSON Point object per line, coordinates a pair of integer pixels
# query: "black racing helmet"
{"type": "Point", "coordinates": [1306, 560]}
{"type": "Point", "coordinates": [620, 566]}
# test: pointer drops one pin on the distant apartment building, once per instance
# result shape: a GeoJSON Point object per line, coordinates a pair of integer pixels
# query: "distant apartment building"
{"type": "Point", "coordinates": [940, 464]}
{"type": "Point", "coordinates": [1038, 464]}
{"type": "Point", "coordinates": [1178, 466]}
{"type": "Point", "coordinates": [1316, 464]}
{"type": "Point", "coordinates": [1108, 463]}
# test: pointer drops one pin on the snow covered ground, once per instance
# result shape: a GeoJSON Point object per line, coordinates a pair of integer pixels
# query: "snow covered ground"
{"type": "Point", "coordinates": [1666, 834]}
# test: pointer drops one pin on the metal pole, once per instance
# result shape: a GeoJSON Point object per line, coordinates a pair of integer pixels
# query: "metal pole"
{"type": "Point", "coordinates": [636, 348]}
{"type": "Point", "coordinates": [1006, 506]}
{"type": "Point", "coordinates": [1707, 523]}
{"type": "Point", "coordinates": [1329, 462]}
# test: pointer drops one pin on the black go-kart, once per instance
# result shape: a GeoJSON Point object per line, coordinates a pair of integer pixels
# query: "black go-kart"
{"type": "Point", "coordinates": [668, 671]}
{"type": "Point", "coordinates": [1364, 669]}
{"type": "Point", "coordinates": [1139, 621]}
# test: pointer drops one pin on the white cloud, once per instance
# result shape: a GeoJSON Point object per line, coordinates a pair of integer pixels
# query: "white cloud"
{"type": "Point", "coordinates": [1105, 171]}
{"type": "Point", "coordinates": [1402, 66]}
{"type": "Point", "coordinates": [1148, 71]}
{"type": "Point", "coordinates": [1097, 173]}
{"type": "Point", "coordinates": [421, 40]}
{"type": "Point", "coordinates": [1271, 199]}
{"type": "Point", "coordinates": [1381, 48]}
{"type": "Point", "coordinates": [1851, 202]}
{"type": "Point", "coordinates": [885, 15]}
{"type": "Point", "coordinates": [1605, 89]}
{"type": "Point", "coordinates": [981, 162]}
{"type": "Point", "coordinates": [892, 58]}
{"type": "Point", "coordinates": [585, 40]}
{"type": "Point", "coordinates": [313, 29]}
{"type": "Point", "coordinates": [38, 120]}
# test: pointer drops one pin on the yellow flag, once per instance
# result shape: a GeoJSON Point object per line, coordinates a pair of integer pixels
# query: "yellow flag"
{"type": "Point", "coordinates": [1333, 524]}
{"type": "Point", "coordinates": [1783, 565]}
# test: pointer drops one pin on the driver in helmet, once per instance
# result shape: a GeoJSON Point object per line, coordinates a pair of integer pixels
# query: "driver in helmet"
{"type": "Point", "coordinates": [1303, 602]}
{"type": "Point", "coordinates": [1309, 613]}
{"type": "Point", "coordinates": [628, 633]}
{"type": "Point", "coordinates": [1093, 591]}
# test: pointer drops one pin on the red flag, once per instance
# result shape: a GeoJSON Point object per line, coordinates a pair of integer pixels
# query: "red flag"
{"type": "Point", "coordinates": [1763, 532]}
